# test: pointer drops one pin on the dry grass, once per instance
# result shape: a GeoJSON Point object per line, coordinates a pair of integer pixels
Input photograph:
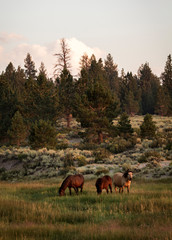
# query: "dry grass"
{"type": "Point", "coordinates": [34, 211]}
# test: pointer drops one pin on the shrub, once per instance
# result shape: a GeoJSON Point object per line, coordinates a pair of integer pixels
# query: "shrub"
{"type": "Point", "coordinates": [68, 160]}
{"type": "Point", "coordinates": [81, 160]}
{"type": "Point", "coordinates": [67, 170]}
{"type": "Point", "coordinates": [158, 142]}
{"type": "Point", "coordinates": [101, 154]}
{"type": "Point", "coordinates": [102, 171]}
{"type": "Point", "coordinates": [126, 166]}
{"type": "Point", "coordinates": [169, 145]}
{"type": "Point", "coordinates": [22, 156]}
{"type": "Point", "coordinates": [120, 144]}
{"type": "Point", "coordinates": [61, 145]}
{"type": "Point", "coordinates": [148, 127]}
{"type": "Point", "coordinates": [149, 156]}
{"type": "Point", "coordinates": [42, 134]}
{"type": "Point", "coordinates": [88, 146]}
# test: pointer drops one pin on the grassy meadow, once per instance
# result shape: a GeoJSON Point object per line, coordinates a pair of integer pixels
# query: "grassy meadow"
{"type": "Point", "coordinates": [33, 210]}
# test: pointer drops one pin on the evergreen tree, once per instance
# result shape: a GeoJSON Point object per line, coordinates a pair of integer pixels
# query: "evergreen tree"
{"type": "Point", "coordinates": [130, 95]}
{"type": "Point", "coordinates": [8, 100]}
{"type": "Point", "coordinates": [131, 106]}
{"type": "Point", "coordinates": [42, 134]}
{"type": "Point", "coordinates": [162, 104]}
{"type": "Point", "coordinates": [41, 98]}
{"type": "Point", "coordinates": [149, 84]}
{"type": "Point", "coordinates": [167, 82]}
{"type": "Point", "coordinates": [66, 93]}
{"type": "Point", "coordinates": [30, 105]}
{"type": "Point", "coordinates": [85, 62]}
{"type": "Point", "coordinates": [30, 67]}
{"type": "Point", "coordinates": [46, 99]}
{"type": "Point", "coordinates": [19, 84]}
{"type": "Point", "coordinates": [148, 127]}
{"type": "Point", "coordinates": [17, 131]}
{"type": "Point", "coordinates": [124, 127]}
{"type": "Point", "coordinates": [112, 74]}
{"type": "Point", "coordinates": [95, 107]}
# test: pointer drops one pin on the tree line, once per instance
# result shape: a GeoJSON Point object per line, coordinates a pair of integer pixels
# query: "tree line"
{"type": "Point", "coordinates": [29, 99]}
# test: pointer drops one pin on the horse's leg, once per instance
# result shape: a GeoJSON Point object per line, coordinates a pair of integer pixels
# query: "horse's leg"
{"type": "Point", "coordinates": [70, 191]}
{"type": "Point", "coordinates": [82, 187]}
{"type": "Point", "coordinates": [115, 189]}
{"type": "Point", "coordinates": [76, 189]}
{"type": "Point", "coordinates": [110, 187]}
{"type": "Point", "coordinates": [107, 190]}
{"type": "Point", "coordinates": [128, 189]}
{"type": "Point", "coordinates": [121, 189]}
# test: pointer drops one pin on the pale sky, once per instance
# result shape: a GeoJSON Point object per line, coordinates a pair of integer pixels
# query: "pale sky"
{"type": "Point", "coordinates": [132, 31]}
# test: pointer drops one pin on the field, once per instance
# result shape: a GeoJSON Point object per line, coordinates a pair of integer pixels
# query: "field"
{"type": "Point", "coordinates": [33, 210]}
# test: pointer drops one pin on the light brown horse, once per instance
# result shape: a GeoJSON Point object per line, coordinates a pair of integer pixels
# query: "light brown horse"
{"type": "Point", "coordinates": [104, 183]}
{"type": "Point", "coordinates": [122, 180]}
{"type": "Point", "coordinates": [72, 181]}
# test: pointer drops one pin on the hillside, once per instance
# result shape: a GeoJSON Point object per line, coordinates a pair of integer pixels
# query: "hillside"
{"type": "Point", "coordinates": [147, 159]}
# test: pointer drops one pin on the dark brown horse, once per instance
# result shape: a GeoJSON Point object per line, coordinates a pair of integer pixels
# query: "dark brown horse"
{"type": "Point", "coordinates": [72, 181]}
{"type": "Point", "coordinates": [104, 183]}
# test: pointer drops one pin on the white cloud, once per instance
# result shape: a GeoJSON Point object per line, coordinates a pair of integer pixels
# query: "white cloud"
{"type": "Point", "coordinates": [7, 37]}
{"type": "Point", "coordinates": [45, 54]}
{"type": "Point", "coordinates": [78, 49]}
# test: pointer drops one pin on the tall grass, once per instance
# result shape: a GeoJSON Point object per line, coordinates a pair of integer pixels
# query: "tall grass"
{"type": "Point", "coordinates": [35, 211]}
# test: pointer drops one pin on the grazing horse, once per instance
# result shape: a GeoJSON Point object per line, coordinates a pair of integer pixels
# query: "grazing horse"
{"type": "Point", "coordinates": [122, 180]}
{"type": "Point", "coordinates": [126, 185]}
{"type": "Point", "coordinates": [72, 181]}
{"type": "Point", "coordinates": [104, 183]}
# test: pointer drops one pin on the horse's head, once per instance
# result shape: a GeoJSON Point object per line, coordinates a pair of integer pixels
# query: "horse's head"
{"type": "Point", "coordinates": [61, 192]}
{"type": "Point", "coordinates": [128, 175]}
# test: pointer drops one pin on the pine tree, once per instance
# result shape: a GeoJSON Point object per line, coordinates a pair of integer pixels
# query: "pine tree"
{"type": "Point", "coordinates": [41, 98]}
{"type": "Point", "coordinates": [167, 82]}
{"type": "Point", "coordinates": [8, 100]}
{"type": "Point", "coordinates": [17, 131]}
{"type": "Point", "coordinates": [124, 126]}
{"type": "Point", "coordinates": [162, 104]}
{"type": "Point", "coordinates": [46, 99]}
{"type": "Point", "coordinates": [95, 105]}
{"type": "Point", "coordinates": [42, 134]}
{"type": "Point", "coordinates": [130, 96]}
{"type": "Point", "coordinates": [149, 84]}
{"type": "Point", "coordinates": [148, 127]}
{"type": "Point", "coordinates": [66, 93]}
{"type": "Point", "coordinates": [30, 67]}
{"type": "Point", "coordinates": [131, 106]}
{"type": "Point", "coordinates": [85, 62]}
{"type": "Point", "coordinates": [112, 74]}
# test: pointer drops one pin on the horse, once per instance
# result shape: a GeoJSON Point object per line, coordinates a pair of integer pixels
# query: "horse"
{"type": "Point", "coordinates": [122, 180]}
{"type": "Point", "coordinates": [126, 185]}
{"type": "Point", "coordinates": [72, 181]}
{"type": "Point", "coordinates": [104, 183]}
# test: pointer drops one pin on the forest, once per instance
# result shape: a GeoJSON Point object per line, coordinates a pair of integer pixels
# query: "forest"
{"type": "Point", "coordinates": [99, 123]}
{"type": "Point", "coordinates": [31, 102]}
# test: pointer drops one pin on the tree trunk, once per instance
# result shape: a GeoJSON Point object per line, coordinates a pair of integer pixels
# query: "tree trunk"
{"type": "Point", "coordinates": [100, 135]}
{"type": "Point", "coordinates": [68, 119]}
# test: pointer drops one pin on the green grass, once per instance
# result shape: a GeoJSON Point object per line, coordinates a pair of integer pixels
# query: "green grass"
{"type": "Point", "coordinates": [33, 210]}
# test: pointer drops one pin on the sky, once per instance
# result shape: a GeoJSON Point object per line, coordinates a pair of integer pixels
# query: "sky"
{"type": "Point", "coordinates": [132, 31]}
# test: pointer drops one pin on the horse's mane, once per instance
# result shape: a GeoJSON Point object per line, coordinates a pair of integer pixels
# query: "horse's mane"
{"type": "Point", "coordinates": [126, 173]}
{"type": "Point", "coordinates": [65, 183]}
